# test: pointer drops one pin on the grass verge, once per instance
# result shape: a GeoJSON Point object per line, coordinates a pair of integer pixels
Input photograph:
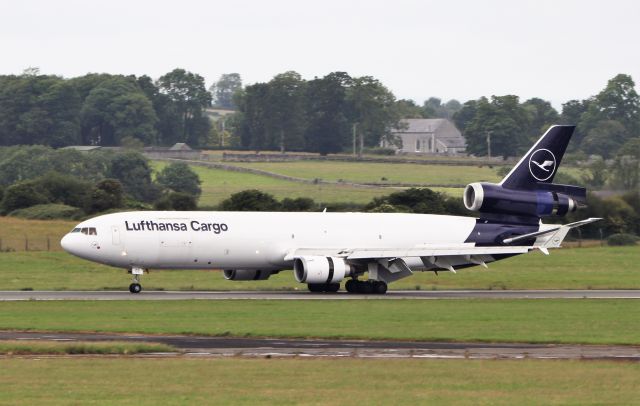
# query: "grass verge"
{"type": "Point", "coordinates": [316, 381]}
{"type": "Point", "coordinates": [588, 321]}
{"type": "Point", "coordinates": [97, 348]}
{"type": "Point", "coordinates": [576, 268]}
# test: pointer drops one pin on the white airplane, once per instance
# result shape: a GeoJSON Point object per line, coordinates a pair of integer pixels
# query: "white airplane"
{"type": "Point", "coordinates": [323, 248]}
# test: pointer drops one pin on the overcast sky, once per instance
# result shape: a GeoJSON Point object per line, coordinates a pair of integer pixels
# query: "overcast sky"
{"type": "Point", "coordinates": [557, 50]}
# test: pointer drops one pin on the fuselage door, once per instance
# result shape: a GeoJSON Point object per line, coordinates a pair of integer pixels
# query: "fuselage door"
{"type": "Point", "coordinates": [115, 235]}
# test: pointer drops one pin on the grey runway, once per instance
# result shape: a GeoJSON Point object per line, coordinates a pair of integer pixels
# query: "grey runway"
{"type": "Point", "coordinates": [304, 295]}
{"type": "Point", "coordinates": [202, 346]}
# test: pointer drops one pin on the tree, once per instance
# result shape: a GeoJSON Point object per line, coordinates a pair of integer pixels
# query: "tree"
{"type": "Point", "coordinates": [250, 200]}
{"type": "Point", "coordinates": [604, 139]}
{"type": "Point", "coordinates": [179, 177]}
{"type": "Point", "coordinates": [285, 111]}
{"type": "Point", "coordinates": [298, 204]}
{"type": "Point", "coordinates": [372, 108]}
{"type": "Point", "coordinates": [38, 109]}
{"type": "Point", "coordinates": [115, 109]}
{"type": "Point", "coordinates": [133, 171]}
{"type": "Point", "coordinates": [253, 117]}
{"type": "Point", "coordinates": [105, 195]}
{"type": "Point", "coordinates": [618, 101]}
{"type": "Point", "coordinates": [225, 88]}
{"type": "Point", "coordinates": [541, 116]}
{"type": "Point", "coordinates": [189, 97]}
{"type": "Point", "coordinates": [502, 120]}
{"type": "Point", "coordinates": [65, 189]}
{"type": "Point", "coordinates": [572, 112]}
{"type": "Point", "coordinates": [328, 128]}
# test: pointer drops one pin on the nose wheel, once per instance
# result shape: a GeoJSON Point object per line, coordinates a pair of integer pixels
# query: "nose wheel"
{"type": "Point", "coordinates": [135, 287]}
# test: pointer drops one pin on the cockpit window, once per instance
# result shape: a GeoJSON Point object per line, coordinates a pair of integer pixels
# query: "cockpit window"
{"type": "Point", "coordinates": [86, 230]}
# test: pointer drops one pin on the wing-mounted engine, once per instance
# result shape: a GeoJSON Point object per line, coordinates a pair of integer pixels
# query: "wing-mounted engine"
{"type": "Point", "coordinates": [247, 274]}
{"type": "Point", "coordinates": [320, 269]}
{"type": "Point", "coordinates": [546, 199]}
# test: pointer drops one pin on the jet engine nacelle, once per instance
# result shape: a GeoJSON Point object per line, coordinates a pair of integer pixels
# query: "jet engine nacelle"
{"type": "Point", "coordinates": [493, 198]}
{"type": "Point", "coordinates": [246, 275]}
{"type": "Point", "coordinates": [318, 269]}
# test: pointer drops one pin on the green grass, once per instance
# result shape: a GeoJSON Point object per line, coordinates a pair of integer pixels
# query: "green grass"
{"type": "Point", "coordinates": [362, 172]}
{"type": "Point", "coordinates": [569, 268]}
{"type": "Point", "coordinates": [16, 234]}
{"type": "Point", "coordinates": [540, 321]}
{"type": "Point", "coordinates": [316, 381]}
{"type": "Point", "coordinates": [62, 348]}
{"type": "Point", "coordinates": [218, 184]}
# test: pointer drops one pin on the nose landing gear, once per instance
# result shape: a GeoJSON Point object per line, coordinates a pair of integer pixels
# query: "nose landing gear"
{"type": "Point", "coordinates": [135, 287]}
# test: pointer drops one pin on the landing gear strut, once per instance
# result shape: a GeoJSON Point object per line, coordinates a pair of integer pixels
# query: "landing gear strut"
{"type": "Point", "coordinates": [366, 287]}
{"type": "Point", "coordinates": [135, 287]}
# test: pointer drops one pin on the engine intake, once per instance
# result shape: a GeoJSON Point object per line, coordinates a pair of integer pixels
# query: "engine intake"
{"type": "Point", "coordinates": [493, 198]}
{"type": "Point", "coordinates": [317, 269]}
{"type": "Point", "coordinates": [246, 274]}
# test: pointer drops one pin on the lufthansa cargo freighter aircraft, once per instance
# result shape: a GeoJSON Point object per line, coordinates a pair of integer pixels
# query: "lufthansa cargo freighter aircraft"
{"type": "Point", "coordinates": [324, 249]}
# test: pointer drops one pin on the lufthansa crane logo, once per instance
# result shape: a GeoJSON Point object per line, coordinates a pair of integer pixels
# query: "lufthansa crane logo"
{"type": "Point", "coordinates": [542, 164]}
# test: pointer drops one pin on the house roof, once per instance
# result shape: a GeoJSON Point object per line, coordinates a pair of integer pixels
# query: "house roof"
{"type": "Point", "coordinates": [420, 125]}
{"type": "Point", "coordinates": [180, 146]}
{"type": "Point", "coordinates": [83, 148]}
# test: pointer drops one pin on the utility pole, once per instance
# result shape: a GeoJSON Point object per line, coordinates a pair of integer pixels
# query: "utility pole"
{"type": "Point", "coordinates": [355, 126]}
{"type": "Point", "coordinates": [489, 143]}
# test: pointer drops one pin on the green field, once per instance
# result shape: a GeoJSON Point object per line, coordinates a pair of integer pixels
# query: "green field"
{"type": "Point", "coordinates": [218, 184]}
{"type": "Point", "coordinates": [570, 268]}
{"type": "Point", "coordinates": [363, 172]}
{"type": "Point", "coordinates": [589, 321]}
{"type": "Point", "coordinates": [315, 381]}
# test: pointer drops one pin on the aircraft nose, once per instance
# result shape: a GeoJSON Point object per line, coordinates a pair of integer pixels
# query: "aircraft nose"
{"type": "Point", "coordinates": [65, 243]}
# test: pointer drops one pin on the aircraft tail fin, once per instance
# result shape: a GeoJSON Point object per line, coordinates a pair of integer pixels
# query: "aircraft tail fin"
{"type": "Point", "coordinates": [540, 164]}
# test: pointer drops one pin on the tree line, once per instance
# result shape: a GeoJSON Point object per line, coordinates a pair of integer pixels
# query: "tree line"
{"type": "Point", "coordinates": [103, 109]}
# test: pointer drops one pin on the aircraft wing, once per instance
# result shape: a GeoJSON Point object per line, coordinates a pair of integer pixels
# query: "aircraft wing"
{"type": "Point", "coordinates": [426, 251]}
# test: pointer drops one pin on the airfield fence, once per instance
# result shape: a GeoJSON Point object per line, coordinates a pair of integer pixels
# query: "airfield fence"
{"type": "Point", "coordinates": [29, 243]}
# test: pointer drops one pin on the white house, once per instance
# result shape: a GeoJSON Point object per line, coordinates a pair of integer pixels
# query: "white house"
{"type": "Point", "coordinates": [428, 136]}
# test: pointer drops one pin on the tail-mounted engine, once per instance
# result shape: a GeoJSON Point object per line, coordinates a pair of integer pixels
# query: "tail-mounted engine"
{"type": "Point", "coordinates": [317, 269]}
{"type": "Point", "coordinates": [547, 199]}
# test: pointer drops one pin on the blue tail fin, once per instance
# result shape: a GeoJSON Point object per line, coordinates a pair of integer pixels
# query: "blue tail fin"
{"type": "Point", "coordinates": [541, 162]}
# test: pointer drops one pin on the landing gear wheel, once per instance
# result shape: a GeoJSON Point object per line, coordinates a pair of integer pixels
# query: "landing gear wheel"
{"type": "Point", "coordinates": [332, 287]}
{"type": "Point", "coordinates": [379, 287]}
{"type": "Point", "coordinates": [315, 287]}
{"type": "Point", "coordinates": [135, 288]}
{"type": "Point", "coordinates": [351, 286]}
{"type": "Point", "coordinates": [365, 287]}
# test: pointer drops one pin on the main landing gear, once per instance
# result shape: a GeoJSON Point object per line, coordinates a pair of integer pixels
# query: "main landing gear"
{"type": "Point", "coordinates": [135, 287]}
{"type": "Point", "coordinates": [324, 287]}
{"type": "Point", "coordinates": [366, 287]}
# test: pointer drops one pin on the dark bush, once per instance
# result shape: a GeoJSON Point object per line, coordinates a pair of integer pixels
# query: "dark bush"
{"type": "Point", "coordinates": [22, 195]}
{"type": "Point", "coordinates": [105, 195]}
{"type": "Point", "coordinates": [622, 239]}
{"type": "Point", "coordinates": [49, 212]}
{"type": "Point", "coordinates": [250, 200]}
{"type": "Point", "coordinates": [179, 177]}
{"type": "Point", "coordinates": [380, 151]}
{"type": "Point", "coordinates": [177, 201]}
{"type": "Point", "coordinates": [299, 204]}
{"type": "Point", "coordinates": [64, 189]}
